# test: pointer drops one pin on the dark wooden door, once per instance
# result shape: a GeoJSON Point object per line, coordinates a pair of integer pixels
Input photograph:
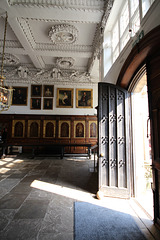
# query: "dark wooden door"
{"type": "Point", "coordinates": [153, 77]}
{"type": "Point", "coordinates": [113, 141]}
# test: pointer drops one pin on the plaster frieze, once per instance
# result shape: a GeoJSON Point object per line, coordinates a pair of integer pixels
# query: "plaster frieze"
{"type": "Point", "coordinates": [23, 75]}
{"type": "Point", "coordinates": [63, 33]}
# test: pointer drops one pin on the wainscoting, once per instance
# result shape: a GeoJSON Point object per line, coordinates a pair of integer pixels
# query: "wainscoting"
{"type": "Point", "coordinates": [50, 129]}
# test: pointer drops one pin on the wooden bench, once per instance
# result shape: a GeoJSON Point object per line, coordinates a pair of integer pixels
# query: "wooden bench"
{"type": "Point", "coordinates": [35, 148]}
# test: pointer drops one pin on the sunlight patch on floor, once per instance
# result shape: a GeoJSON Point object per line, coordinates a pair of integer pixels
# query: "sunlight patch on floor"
{"type": "Point", "coordinates": [60, 190]}
{"type": "Point", "coordinates": [121, 205]}
{"type": "Point", "coordinates": [18, 161]}
{"type": "Point", "coordinates": [4, 170]}
{"type": "Point", "coordinates": [2, 163]}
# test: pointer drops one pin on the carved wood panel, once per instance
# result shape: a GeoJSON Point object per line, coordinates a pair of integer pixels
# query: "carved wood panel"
{"type": "Point", "coordinates": [113, 161]}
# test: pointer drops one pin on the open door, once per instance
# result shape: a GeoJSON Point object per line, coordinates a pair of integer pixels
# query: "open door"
{"type": "Point", "coordinates": [113, 141]}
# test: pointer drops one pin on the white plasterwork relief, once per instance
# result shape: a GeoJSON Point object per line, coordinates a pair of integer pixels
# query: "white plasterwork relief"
{"type": "Point", "coordinates": [24, 75]}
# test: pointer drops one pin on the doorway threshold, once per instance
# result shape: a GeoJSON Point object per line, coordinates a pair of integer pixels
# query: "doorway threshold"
{"type": "Point", "coordinates": [145, 218]}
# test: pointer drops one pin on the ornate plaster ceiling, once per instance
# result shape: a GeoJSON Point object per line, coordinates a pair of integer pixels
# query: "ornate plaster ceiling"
{"type": "Point", "coordinates": [44, 35]}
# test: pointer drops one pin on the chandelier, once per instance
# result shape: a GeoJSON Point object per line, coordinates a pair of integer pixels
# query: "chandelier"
{"type": "Point", "coordinates": [5, 92]}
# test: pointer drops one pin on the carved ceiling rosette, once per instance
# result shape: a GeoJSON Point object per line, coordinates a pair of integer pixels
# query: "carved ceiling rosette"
{"type": "Point", "coordinates": [63, 34]}
{"type": "Point", "coordinates": [64, 62]}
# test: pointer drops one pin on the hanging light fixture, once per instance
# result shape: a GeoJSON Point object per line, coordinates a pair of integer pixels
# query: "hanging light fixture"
{"type": "Point", "coordinates": [5, 92]}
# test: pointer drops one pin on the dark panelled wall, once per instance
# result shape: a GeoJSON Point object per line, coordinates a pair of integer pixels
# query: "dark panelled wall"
{"type": "Point", "coordinates": [50, 129]}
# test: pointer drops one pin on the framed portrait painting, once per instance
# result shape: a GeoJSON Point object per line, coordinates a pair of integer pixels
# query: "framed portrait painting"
{"type": "Point", "coordinates": [36, 90]}
{"type": "Point", "coordinates": [47, 103]}
{"type": "Point", "coordinates": [20, 95]}
{"type": "Point", "coordinates": [65, 97]}
{"type": "Point", "coordinates": [35, 103]}
{"type": "Point", "coordinates": [48, 91]}
{"type": "Point", "coordinates": [84, 98]}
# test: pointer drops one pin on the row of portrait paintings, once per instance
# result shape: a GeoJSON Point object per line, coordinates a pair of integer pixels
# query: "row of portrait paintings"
{"type": "Point", "coordinates": [84, 97]}
{"type": "Point", "coordinates": [49, 129]}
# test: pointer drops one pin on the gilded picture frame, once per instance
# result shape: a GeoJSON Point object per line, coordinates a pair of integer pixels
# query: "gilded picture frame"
{"type": "Point", "coordinates": [64, 129]}
{"type": "Point", "coordinates": [36, 90]}
{"type": "Point", "coordinates": [47, 103]}
{"type": "Point", "coordinates": [79, 129]}
{"type": "Point", "coordinates": [35, 104]}
{"type": "Point", "coordinates": [64, 98]}
{"type": "Point", "coordinates": [48, 91]}
{"type": "Point", "coordinates": [20, 96]}
{"type": "Point", "coordinates": [52, 132]}
{"type": "Point", "coordinates": [84, 98]}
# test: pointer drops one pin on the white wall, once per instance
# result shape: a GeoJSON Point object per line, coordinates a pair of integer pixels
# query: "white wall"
{"type": "Point", "coordinates": [150, 21]}
{"type": "Point", "coordinates": [58, 111]}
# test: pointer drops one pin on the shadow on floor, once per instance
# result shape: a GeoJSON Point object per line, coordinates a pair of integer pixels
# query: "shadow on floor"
{"type": "Point", "coordinates": [29, 211]}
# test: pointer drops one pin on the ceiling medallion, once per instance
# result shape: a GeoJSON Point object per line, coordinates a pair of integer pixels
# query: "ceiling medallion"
{"type": "Point", "coordinates": [9, 59]}
{"type": "Point", "coordinates": [65, 62]}
{"type": "Point", "coordinates": [63, 33]}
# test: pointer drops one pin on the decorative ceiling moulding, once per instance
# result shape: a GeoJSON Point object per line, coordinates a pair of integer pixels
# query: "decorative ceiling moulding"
{"type": "Point", "coordinates": [27, 31]}
{"type": "Point", "coordinates": [9, 59]}
{"type": "Point", "coordinates": [65, 62]}
{"type": "Point", "coordinates": [98, 39]}
{"type": "Point", "coordinates": [22, 74]}
{"type": "Point", "coordinates": [74, 4]}
{"type": "Point", "coordinates": [64, 21]}
{"type": "Point", "coordinates": [11, 44]}
{"type": "Point", "coordinates": [14, 82]}
{"type": "Point", "coordinates": [63, 33]}
{"type": "Point", "coordinates": [64, 47]}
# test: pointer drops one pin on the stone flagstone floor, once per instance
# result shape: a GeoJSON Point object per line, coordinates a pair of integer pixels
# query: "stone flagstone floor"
{"type": "Point", "coordinates": [37, 197]}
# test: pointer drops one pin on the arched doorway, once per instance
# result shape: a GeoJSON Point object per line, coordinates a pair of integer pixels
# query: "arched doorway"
{"type": "Point", "coordinates": [147, 52]}
{"type": "Point", "coordinates": [141, 145]}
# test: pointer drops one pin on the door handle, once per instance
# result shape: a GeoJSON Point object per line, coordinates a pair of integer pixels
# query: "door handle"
{"type": "Point", "coordinates": [102, 155]}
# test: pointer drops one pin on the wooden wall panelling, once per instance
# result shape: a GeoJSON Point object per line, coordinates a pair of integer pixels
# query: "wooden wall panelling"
{"type": "Point", "coordinates": [18, 128]}
{"type": "Point", "coordinates": [64, 129]}
{"type": "Point", "coordinates": [93, 131]}
{"type": "Point", "coordinates": [49, 128]}
{"type": "Point", "coordinates": [9, 120]}
{"type": "Point", "coordinates": [79, 129]}
{"type": "Point", "coordinates": [33, 128]}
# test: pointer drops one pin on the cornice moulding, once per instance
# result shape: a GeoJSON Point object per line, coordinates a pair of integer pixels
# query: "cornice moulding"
{"type": "Point", "coordinates": [98, 39]}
